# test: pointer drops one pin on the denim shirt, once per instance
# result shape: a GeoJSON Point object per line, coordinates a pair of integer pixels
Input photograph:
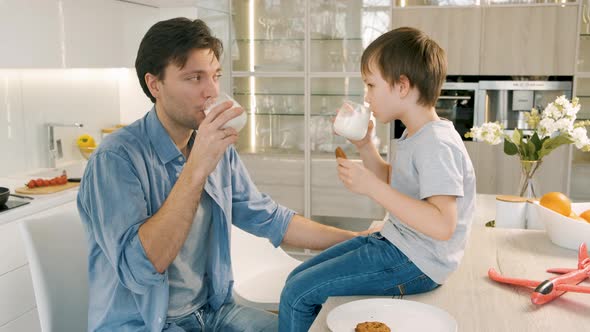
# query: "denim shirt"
{"type": "Point", "coordinates": [126, 181]}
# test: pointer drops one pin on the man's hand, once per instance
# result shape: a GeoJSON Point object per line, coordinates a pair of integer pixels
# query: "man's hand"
{"type": "Point", "coordinates": [211, 140]}
{"type": "Point", "coordinates": [356, 177]}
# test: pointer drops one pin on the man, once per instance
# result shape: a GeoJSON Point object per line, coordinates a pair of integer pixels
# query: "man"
{"type": "Point", "coordinates": [158, 199]}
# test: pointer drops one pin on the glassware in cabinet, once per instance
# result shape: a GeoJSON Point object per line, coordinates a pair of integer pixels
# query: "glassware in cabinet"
{"type": "Point", "coordinates": [269, 35]}
{"type": "Point", "coordinates": [340, 30]}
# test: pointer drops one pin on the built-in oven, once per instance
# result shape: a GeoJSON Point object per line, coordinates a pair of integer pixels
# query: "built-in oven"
{"type": "Point", "coordinates": [457, 103]}
{"type": "Point", "coordinates": [506, 102]}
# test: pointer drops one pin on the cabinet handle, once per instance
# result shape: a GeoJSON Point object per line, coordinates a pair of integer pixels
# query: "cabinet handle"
{"type": "Point", "coordinates": [455, 97]}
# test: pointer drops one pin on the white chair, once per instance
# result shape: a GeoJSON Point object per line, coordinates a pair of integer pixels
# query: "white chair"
{"type": "Point", "coordinates": [56, 247]}
{"type": "Point", "coordinates": [260, 270]}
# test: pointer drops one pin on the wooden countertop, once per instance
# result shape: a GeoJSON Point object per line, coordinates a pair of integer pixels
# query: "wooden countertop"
{"type": "Point", "coordinates": [479, 304]}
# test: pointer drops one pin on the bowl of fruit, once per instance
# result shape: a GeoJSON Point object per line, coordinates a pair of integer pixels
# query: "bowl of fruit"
{"type": "Point", "coordinates": [567, 224]}
{"type": "Point", "coordinates": [86, 145]}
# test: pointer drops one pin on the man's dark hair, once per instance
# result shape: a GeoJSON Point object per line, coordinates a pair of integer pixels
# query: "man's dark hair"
{"type": "Point", "coordinates": [409, 52]}
{"type": "Point", "coordinates": [172, 41]}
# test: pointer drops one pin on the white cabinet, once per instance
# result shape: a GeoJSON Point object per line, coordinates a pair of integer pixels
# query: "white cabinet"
{"type": "Point", "coordinates": [457, 30]}
{"type": "Point", "coordinates": [30, 35]}
{"type": "Point", "coordinates": [17, 300]}
{"type": "Point", "coordinates": [529, 40]}
{"type": "Point", "coordinates": [72, 33]}
{"type": "Point", "coordinates": [103, 33]}
{"type": "Point", "coordinates": [498, 173]}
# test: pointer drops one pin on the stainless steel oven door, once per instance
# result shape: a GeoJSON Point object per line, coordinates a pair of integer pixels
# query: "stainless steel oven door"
{"type": "Point", "coordinates": [507, 102]}
{"type": "Point", "coordinates": [457, 103]}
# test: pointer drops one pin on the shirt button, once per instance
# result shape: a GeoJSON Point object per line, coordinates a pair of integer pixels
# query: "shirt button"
{"type": "Point", "coordinates": [180, 158]}
{"type": "Point", "coordinates": [177, 174]}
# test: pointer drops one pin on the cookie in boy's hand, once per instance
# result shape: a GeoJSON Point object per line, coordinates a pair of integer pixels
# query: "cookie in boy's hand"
{"type": "Point", "coordinates": [340, 153]}
{"type": "Point", "coordinates": [371, 327]}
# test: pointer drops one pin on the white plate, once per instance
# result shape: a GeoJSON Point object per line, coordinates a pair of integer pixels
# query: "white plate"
{"type": "Point", "coordinates": [399, 315]}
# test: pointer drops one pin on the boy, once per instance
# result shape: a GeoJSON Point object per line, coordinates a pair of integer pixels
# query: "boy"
{"type": "Point", "coordinates": [430, 200]}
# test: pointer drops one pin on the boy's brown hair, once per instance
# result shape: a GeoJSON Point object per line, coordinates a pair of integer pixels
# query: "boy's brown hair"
{"type": "Point", "coordinates": [409, 52]}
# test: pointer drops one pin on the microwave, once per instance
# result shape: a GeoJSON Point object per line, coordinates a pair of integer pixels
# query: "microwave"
{"type": "Point", "coordinates": [457, 103]}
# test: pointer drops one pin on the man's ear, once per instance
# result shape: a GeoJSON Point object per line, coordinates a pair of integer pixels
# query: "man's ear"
{"type": "Point", "coordinates": [152, 83]}
{"type": "Point", "coordinates": [404, 86]}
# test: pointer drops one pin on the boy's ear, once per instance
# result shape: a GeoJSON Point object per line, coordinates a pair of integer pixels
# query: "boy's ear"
{"type": "Point", "coordinates": [403, 86]}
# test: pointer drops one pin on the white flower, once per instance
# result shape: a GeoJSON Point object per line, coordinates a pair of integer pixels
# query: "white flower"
{"type": "Point", "coordinates": [546, 127]}
{"type": "Point", "coordinates": [489, 132]}
{"type": "Point", "coordinates": [580, 137]}
{"type": "Point", "coordinates": [562, 101]}
{"type": "Point", "coordinates": [551, 112]}
{"type": "Point", "coordinates": [572, 110]}
{"type": "Point", "coordinates": [564, 125]}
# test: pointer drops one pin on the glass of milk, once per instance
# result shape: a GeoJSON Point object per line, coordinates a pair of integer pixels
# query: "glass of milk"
{"type": "Point", "coordinates": [352, 121]}
{"type": "Point", "coordinates": [238, 122]}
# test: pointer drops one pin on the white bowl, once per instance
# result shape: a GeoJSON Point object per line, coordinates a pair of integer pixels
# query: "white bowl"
{"type": "Point", "coordinates": [564, 231]}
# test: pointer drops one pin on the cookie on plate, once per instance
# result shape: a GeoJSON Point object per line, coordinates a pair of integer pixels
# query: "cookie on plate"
{"type": "Point", "coordinates": [371, 327]}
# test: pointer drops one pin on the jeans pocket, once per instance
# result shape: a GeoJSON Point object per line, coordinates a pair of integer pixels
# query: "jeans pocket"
{"type": "Point", "coordinates": [420, 284]}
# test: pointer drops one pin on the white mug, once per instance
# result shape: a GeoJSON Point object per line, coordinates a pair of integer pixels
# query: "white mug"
{"type": "Point", "coordinates": [238, 122]}
{"type": "Point", "coordinates": [352, 121]}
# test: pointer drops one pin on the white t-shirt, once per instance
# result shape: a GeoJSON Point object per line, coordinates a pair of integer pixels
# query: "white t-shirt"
{"type": "Point", "coordinates": [433, 162]}
{"type": "Point", "coordinates": [186, 274]}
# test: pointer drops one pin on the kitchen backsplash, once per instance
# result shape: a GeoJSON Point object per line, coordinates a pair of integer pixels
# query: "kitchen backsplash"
{"type": "Point", "coordinates": [30, 98]}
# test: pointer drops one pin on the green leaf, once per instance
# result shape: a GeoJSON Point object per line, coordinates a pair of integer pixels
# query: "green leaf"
{"type": "Point", "coordinates": [510, 148]}
{"type": "Point", "coordinates": [535, 139]}
{"type": "Point", "coordinates": [531, 150]}
{"type": "Point", "coordinates": [553, 143]}
{"type": "Point", "coordinates": [516, 136]}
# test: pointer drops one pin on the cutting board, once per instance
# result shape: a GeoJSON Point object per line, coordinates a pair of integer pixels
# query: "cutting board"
{"type": "Point", "coordinates": [46, 190]}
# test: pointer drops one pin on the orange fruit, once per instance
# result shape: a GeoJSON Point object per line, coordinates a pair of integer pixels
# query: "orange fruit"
{"type": "Point", "coordinates": [557, 202]}
{"type": "Point", "coordinates": [573, 215]}
{"type": "Point", "coordinates": [585, 215]}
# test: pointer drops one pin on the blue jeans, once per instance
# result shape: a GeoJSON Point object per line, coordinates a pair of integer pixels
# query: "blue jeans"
{"type": "Point", "coordinates": [366, 265]}
{"type": "Point", "coordinates": [230, 317]}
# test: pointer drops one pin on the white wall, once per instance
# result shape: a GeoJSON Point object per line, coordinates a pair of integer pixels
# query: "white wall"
{"type": "Point", "coordinates": [30, 98]}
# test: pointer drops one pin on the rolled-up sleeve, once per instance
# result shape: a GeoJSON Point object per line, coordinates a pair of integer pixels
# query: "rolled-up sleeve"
{"type": "Point", "coordinates": [253, 211]}
{"type": "Point", "coordinates": [113, 205]}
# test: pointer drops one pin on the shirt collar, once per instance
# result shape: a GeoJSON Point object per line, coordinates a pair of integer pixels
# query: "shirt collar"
{"type": "Point", "coordinates": [161, 140]}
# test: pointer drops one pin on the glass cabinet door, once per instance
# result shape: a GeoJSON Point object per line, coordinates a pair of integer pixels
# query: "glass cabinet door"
{"type": "Point", "coordinates": [272, 142]}
{"type": "Point", "coordinates": [340, 30]}
{"type": "Point", "coordinates": [330, 200]}
{"type": "Point", "coordinates": [275, 108]}
{"type": "Point", "coordinates": [293, 63]}
{"type": "Point", "coordinates": [268, 35]}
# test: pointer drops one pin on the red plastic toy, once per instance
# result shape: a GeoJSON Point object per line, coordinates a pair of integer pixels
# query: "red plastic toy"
{"type": "Point", "coordinates": [550, 289]}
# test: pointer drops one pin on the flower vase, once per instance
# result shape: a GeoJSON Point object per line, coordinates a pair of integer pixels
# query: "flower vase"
{"type": "Point", "coordinates": [528, 188]}
{"type": "Point", "coordinates": [528, 184]}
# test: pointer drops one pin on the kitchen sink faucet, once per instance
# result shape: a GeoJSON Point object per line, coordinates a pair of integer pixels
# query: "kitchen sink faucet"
{"type": "Point", "coordinates": [55, 147]}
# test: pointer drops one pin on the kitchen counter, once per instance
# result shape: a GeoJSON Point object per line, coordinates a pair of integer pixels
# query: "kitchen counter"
{"type": "Point", "coordinates": [479, 304]}
{"type": "Point", "coordinates": [38, 204]}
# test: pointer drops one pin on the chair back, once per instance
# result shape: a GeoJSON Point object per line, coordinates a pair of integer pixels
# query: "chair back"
{"type": "Point", "coordinates": [252, 255]}
{"type": "Point", "coordinates": [260, 270]}
{"type": "Point", "coordinates": [56, 248]}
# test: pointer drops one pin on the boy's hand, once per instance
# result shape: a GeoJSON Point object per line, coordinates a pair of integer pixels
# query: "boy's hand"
{"type": "Point", "coordinates": [360, 143]}
{"type": "Point", "coordinates": [370, 230]}
{"type": "Point", "coordinates": [356, 177]}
